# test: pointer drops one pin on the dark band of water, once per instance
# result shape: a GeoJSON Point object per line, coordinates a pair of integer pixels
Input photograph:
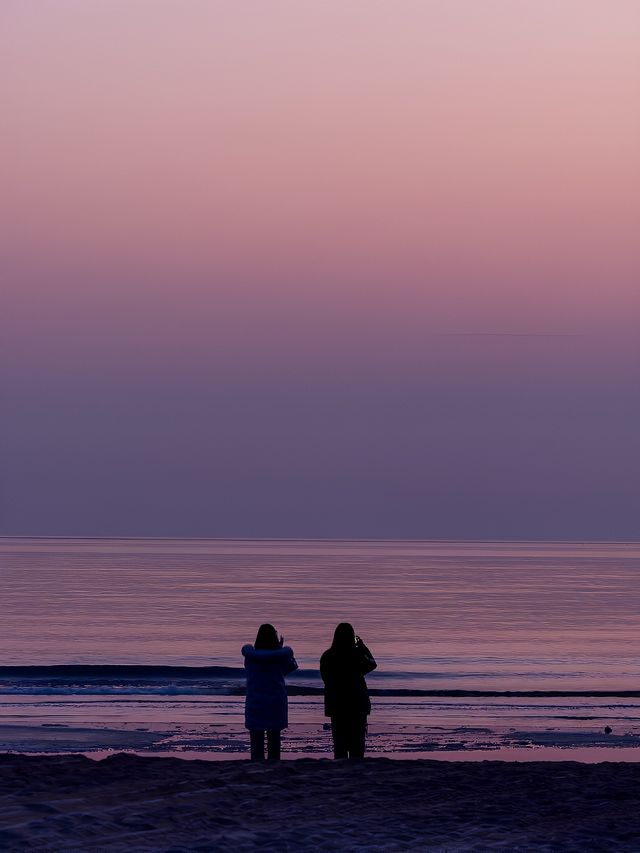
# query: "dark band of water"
{"type": "Point", "coordinates": [130, 675]}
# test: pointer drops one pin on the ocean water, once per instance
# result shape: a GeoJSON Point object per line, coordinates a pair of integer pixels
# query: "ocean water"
{"type": "Point", "coordinates": [481, 646]}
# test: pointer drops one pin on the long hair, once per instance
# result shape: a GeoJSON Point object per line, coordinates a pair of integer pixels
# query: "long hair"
{"type": "Point", "coordinates": [344, 637]}
{"type": "Point", "coordinates": [267, 638]}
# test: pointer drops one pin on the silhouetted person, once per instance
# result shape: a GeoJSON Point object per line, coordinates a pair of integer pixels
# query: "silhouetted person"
{"type": "Point", "coordinates": [346, 698]}
{"type": "Point", "coordinates": [266, 707]}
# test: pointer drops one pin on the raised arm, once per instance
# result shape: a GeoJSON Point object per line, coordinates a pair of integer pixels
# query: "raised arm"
{"type": "Point", "coordinates": [289, 664]}
{"type": "Point", "coordinates": [368, 662]}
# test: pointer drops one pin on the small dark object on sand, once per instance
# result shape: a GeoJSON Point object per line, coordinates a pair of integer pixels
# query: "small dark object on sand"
{"type": "Point", "coordinates": [608, 730]}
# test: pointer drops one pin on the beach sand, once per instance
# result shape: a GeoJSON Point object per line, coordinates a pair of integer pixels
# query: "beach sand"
{"type": "Point", "coordinates": [130, 802]}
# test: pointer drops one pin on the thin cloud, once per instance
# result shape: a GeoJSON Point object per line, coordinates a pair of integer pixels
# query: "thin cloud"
{"type": "Point", "coordinates": [507, 335]}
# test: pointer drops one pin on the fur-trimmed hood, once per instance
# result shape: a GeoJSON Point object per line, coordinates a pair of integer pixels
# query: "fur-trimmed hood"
{"type": "Point", "coordinates": [248, 651]}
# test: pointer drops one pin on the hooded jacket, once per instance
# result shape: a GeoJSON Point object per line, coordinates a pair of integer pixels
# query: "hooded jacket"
{"type": "Point", "coordinates": [266, 705]}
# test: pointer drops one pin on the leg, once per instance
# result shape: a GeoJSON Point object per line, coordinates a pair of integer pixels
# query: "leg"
{"type": "Point", "coordinates": [340, 734]}
{"type": "Point", "coordinates": [357, 736]}
{"type": "Point", "coordinates": [257, 744]}
{"type": "Point", "coordinates": [273, 745]}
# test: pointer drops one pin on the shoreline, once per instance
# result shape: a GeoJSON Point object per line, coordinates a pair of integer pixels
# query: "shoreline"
{"type": "Point", "coordinates": [130, 802]}
{"type": "Point", "coordinates": [230, 742]}
{"type": "Point", "coordinates": [520, 755]}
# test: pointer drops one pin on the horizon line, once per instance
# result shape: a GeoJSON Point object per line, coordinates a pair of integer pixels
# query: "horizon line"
{"type": "Point", "coordinates": [62, 537]}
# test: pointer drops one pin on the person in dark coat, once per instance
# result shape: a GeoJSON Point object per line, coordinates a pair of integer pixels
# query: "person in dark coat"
{"type": "Point", "coordinates": [346, 698]}
{"type": "Point", "coordinates": [266, 706]}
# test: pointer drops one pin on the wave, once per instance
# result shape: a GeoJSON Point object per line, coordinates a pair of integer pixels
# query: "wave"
{"type": "Point", "coordinates": [120, 671]}
{"type": "Point", "coordinates": [185, 689]}
{"type": "Point", "coordinates": [157, 672]}
{"type": "Point", "coordinates": [160, 680]}
{"type": "Point", "coordinates": [112, 675]}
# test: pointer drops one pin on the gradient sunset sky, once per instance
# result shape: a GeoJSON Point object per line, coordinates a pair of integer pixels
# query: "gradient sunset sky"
{"type": "Point", "coordinates": [320, 268]}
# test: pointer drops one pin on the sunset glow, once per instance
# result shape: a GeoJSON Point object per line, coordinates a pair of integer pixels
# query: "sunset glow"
{"type": "Point", "coordinates": [397, 217]}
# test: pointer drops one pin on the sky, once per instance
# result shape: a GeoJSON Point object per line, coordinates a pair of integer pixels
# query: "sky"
{"type": "Point", "coordinates": [320, 268]}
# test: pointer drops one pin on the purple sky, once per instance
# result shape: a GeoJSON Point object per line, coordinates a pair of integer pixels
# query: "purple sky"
{"type": "Point", "coordinates": [338, 269]}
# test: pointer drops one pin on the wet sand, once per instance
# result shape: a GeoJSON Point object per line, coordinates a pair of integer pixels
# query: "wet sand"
{"type": "Point", "coordinates": [129, 802]}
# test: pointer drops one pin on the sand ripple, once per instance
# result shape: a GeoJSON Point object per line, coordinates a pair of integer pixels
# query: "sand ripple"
{"type": "Point", "coordinates": [132, 803]}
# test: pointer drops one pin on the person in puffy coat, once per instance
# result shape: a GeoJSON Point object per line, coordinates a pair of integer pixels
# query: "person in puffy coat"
{"type": "Point", "coordinates": [266, 706]}
{"type": "Point", "coordinates": [346, 698]}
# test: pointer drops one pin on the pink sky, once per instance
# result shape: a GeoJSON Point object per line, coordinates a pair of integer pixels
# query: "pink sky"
{"type": "Point", "coordinates": [326, 195]}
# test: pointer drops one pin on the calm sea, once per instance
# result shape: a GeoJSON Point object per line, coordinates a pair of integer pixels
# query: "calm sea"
{"type": "Point", "coordinates": [457, 629]}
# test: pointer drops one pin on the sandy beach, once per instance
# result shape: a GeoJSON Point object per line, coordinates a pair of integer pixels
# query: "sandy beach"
{"type": "Point", "coordinates": [128, 802]}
